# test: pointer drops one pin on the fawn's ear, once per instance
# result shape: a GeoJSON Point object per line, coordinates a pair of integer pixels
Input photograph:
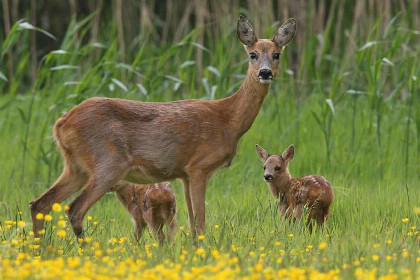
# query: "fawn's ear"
{"type": "Point", "coordinates": [285, 33]}
{"type": "Point", "coordinates": [262, 154]}
{"type": "Point", "coordinates": [245, 31]}
{"type": "Point", "coordinates": [289, 153]}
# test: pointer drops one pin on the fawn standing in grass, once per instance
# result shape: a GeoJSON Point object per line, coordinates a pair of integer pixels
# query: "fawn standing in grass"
{"type": "Point", "coordinates": [106, 140]}
{"type": "Point", "coordinates": [152, 205]}
{"type": "Point", "coordinates": [294, 193]}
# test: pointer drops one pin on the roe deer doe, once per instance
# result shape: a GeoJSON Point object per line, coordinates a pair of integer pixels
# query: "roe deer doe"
{"type": "Point", "coordinates": [294, 193]}
{"type": "Point", "coordinates": [152, 205]}
{"type": "Point", "coordinates": [106, 140]}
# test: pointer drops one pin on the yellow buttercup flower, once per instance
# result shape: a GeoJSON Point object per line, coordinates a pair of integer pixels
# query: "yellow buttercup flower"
{"type": "Point", "coordinates": [61, 223]}
{"type": "Point", "coordinates": [375, 258]}
{"type": "Point", "coordinates": [39, 216]}
{"type": "Point", "coordinates": [405, 220]}
{"type": "Point", "coordinates": [56, 207]}
{"type": "Point", "coordinates": [62, 233]}
{"type": "Point", "coordinates": [201, 237]}
{"type": "Point", "coordinates": [48, 218]}
{"type": "Point", "coordinates": [291, 235]}
{"type": "Point", "coordinates": [21, 223]}
{"type": "Point", "coordinates": [322, 245]}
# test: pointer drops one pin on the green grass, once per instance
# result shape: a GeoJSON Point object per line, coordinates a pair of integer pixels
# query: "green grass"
{"type": "Point", "coordinates": [365, 140]}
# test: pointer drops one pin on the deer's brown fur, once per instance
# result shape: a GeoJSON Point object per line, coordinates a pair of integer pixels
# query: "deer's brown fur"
{"type": "Point", "coordinates": [152, 205]}
{"type": "Point", "coordinates": [106, 140]}
{"type": "Point", "coordinates": [294, 194]}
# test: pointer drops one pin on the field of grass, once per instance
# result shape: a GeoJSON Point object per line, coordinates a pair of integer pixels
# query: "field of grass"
{"type": "Point", "coordinates": [354, 118]}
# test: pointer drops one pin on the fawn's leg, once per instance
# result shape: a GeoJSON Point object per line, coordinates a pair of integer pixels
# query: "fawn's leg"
{"type": "Point", "coordinates": [198, 184]}
{"type": "Point", "coordinates": [298, 211]}
{"type": "Point", "coordinates": [171, 230]}
{"type": "Point", "coordinates": [322, 216]}
{"type": "Point", "coordinates": [139, 226]}
{"type": "Point", "coordinates": [68, 183]}
{"type": "Point", "coordinates": [155, 223]}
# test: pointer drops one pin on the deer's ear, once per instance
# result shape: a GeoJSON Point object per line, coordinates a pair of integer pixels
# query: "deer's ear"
{"type": "Point", "coordinates": [289, 153]}
{"type": "Point", "coordinates": [245, 31]}
{"type": "Point", "coordinates": [262, 154]}
{"type": "Point", "coordinates": [285, 33]}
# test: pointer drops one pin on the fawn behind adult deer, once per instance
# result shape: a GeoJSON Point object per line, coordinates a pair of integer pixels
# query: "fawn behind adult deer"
{"type": "Point", "coordinates": [294, 193]}
{"type": "Point", "coordinates": [152, 205]}
{"type": "Point", "coordinates": [104, 140]}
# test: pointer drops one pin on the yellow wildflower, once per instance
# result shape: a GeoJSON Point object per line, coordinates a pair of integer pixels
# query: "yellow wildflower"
{"type": "Point", "coordinates": [291, 235]}
{"type": "Point", "coordinates": [61, 223]}
{"type": "Point", "coordinates": [39, 216]}
{"type": "Point", "coordinates": [405, 220]}
{"type": "Point", "coordinates": [56, 207]}
{"type": "Point", "coordinates": [21, 223]}
{"type": "Point", "coordinates": [62, 233]}
{"type": "Point", "coordinates": [201, 237]}
{"type": "Point", "coordinates": [322, 245]}
{"type": "Point", "coordinates": [375, 258]}
{"type": "Point", "coordinates": [48, 218]}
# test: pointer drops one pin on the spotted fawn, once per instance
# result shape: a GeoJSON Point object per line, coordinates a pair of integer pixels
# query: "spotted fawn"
{"type": "Point", "coordinates": [313, 191]}
{"type": "Point", "coordinates": [152, 205]}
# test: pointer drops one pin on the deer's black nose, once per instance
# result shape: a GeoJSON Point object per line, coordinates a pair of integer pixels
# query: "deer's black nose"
{"type": "Point", "coordinates": [268, 177]}
{"type": "Point", "coordinates": [265, 74]}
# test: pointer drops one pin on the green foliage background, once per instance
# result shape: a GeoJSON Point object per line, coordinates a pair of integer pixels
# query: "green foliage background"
{"type": "Point", "coordinates": [353, 115]}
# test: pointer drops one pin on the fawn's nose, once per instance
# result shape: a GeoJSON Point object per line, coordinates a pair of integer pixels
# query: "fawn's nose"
{"type": "Point", "coordinates": [265, 74]}
{"type": "Point", "coordinates": [268, 177]}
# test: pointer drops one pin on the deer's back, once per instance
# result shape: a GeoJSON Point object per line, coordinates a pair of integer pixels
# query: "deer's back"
{"type": "Point", "coordinates": [160, 140]}
{"type": "Point", "coordinates": [312, 190]}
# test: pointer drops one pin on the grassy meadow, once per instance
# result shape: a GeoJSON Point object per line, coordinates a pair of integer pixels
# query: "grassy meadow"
{"type": "Point", "coordinates": [353, 116]}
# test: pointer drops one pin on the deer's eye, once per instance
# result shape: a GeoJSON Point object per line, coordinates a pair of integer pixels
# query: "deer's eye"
{"type": "Point", "coordinates": [253, 56]}
{"type": "Point", "coordinates": [264, 167]}
{"type": "Point", "coordinates": [277, 168]}
{"type": "Point", "coordinates": [276, 56]}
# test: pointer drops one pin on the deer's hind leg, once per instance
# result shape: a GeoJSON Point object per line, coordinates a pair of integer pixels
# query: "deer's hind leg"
{"type": "Point", "coordinates": [318, 215]}
{"type": "Point", "coordinates": [68, 183]}
{"type": "Point", "coordinates": [101, 181]}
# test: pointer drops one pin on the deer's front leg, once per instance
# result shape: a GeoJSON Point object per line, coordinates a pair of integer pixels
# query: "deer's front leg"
{"type": "Point", "coordinates": [198, 184]}
{"type": "Point", "coordinates": [187, 195]}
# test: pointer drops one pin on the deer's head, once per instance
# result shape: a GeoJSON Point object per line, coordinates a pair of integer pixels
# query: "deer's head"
{"type": "Point", "coordinates": [275, 166]}
{"type": "Point", "coordinates": [264, 54]}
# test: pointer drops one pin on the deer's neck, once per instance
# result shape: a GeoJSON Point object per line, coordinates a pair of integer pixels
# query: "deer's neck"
{"type": "Point", "coordinates": [283, 182]}
{"type": "Point", "coordinates": [246, 103]}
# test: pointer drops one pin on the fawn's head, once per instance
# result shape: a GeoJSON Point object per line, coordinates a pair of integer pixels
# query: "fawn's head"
{"type": "Point", "coordinates": [275, 166]}
{"type": "Point", "coordinates": [264, 54]}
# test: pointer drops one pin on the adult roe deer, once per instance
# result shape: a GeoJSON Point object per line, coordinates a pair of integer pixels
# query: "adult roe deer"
{"type": "Point", "coordinates": [294, 193]}
{"type": "Point", "coordinates": [104, 140]}
{"type": "Point", "coordinates": [152, 205]}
